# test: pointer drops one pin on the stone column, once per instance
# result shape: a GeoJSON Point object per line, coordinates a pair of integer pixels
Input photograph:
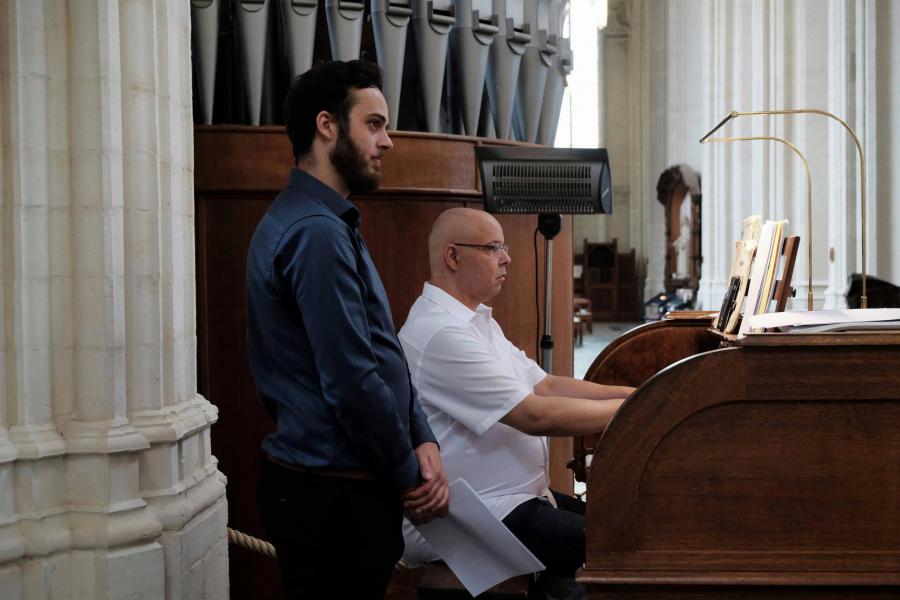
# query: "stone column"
{"type": "Point", "coordinates": [107, 485]}
{"type": "Point", "coordinates": [839, 57]}
{"type": "Point", "coordinates": [650, 74]}
{"type": "Point", "coordinates": [618, 124]}
{"type": "Point", "coordinates": [843, 180]}
{"type": "Point", "coordinates": [885, 258]}
{"type": "Point", "coordinates": [765, 55]}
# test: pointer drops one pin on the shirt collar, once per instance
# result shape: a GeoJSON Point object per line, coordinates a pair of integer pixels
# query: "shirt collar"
{"type": "Point", "coordinates": [452, 305]}
{"type": "Point", "coordinates": [333, 201]}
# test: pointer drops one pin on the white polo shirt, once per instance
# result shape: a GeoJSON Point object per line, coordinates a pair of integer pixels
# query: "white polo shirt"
{"type": "Point", "coordinates": [469, 376]}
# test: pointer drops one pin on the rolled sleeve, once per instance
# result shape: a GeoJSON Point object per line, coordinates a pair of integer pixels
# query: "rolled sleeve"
{"type": "Point", "coordinates": [330, 296]}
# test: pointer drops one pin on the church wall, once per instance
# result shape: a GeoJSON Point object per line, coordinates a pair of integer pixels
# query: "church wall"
{"type": "Point", "coordinates": [887, 226]}
{"type": "Point", "coordinates": [690, 62]}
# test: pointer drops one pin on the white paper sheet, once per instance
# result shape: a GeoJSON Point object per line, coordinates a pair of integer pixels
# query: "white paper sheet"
{"type": "Point", "coordinates": [799, 319]}
{"type": "Point", "coordinates": [475, 544]}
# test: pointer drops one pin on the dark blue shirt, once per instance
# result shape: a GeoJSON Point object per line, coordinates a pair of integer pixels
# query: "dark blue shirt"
{"type": "Point", "coordinates": [323, 349]}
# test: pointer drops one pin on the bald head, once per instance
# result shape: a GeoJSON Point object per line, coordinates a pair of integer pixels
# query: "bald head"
{"type": "Point", "coordinates": [462, 262]}
{"type": "Point", "coordinates": [455, 225]}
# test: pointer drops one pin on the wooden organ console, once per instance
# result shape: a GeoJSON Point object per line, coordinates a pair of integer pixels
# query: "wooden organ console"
{"type": "Point", "coordinates": [767, 467]}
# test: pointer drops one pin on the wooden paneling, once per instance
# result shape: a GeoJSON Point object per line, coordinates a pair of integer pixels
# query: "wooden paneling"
{"type": "Point", "coordinates": [238, 171]}
{"type": "Point", "coordinates": [451, 164]}
{"type": "Point", "coordinates": [225, 223]}
{"type": "Point", "coordinates": [396, 233]}
{"type": "Point", "coordinates": [632, 358]}
{"type": "Point", "coordinates": [756, 470]}
{"type": "Point", "coordinates": [231, 158]}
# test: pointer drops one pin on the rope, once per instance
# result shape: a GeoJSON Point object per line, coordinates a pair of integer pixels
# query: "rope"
{"type": "Point", "coordinates": [254, 544]}
{"type": "Point", "coordinates": [239, 538]}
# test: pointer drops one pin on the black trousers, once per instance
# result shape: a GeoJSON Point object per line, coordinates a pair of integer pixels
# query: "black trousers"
{"type": "Point", "coordinates": [335, 537]}
{"type": "Point", "coordinates": [554, 535]}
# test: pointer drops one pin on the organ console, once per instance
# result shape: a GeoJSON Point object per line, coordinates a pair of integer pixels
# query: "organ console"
{"type": "Point", "coordinates": [756, 468]}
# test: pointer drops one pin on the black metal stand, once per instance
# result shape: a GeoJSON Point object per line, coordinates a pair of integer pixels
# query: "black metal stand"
{"type": "Point", "coordinates": [549, 226]}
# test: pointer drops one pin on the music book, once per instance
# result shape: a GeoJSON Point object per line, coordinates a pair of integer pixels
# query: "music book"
{"type": "Point", "coordinates": [763, 272]}
{"type": "Point", "coordinates": [744, 250]}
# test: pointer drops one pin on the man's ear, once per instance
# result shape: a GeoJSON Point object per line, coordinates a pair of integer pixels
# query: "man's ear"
{"type": "Point", "coordinates": [451, 257]}
{"type": "Point", "coordinates": [326, 125]}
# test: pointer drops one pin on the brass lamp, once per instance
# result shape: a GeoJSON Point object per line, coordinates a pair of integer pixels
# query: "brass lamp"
{"type": "Point", "coordinates": [862, 169]}
{"type": "Point", "coordinates": [706, 139]}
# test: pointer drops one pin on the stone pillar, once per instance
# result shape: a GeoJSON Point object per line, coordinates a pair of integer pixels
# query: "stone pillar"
{"type": "Point", "coordinates": [843, 179]}
{"type": "Point", "coordinates": [107, 485]}
{"type": "Point", "coordinates": [768, 55]}
{"type": "Point", "coordinates": [839, 57]}
{"type": "Point", "coordinates": [650, 74]}
{"type": "Point", "coordinates": [885, 258]}
{"type": "Point", "coordinates": [616, 99]}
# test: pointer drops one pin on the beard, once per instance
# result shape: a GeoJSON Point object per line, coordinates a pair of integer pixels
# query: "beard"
{"type": "Point", "coordinates": [351, 165]}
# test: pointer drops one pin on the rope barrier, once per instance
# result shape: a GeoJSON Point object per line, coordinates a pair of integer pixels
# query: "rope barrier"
{"type": "Point", "coordinates": [239, 538]}
{"type": "Point", "coordinates": [254, 544]}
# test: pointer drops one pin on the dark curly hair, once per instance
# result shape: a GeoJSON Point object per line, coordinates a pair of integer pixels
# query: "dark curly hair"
{"type": "Point", "coordinates": [327, 87]}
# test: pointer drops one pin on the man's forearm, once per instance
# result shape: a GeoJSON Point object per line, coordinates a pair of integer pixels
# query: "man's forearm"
{"type": "Point", "coordinates": [581, 416]}
{"type": "Point", "coordinates": [555, 385]}
{"type": "Point", "coordinates": [560, 415]}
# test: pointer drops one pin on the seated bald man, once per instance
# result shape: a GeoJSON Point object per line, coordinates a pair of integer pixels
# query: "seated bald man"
{"type": "Point", "coordinates": [487, 403]}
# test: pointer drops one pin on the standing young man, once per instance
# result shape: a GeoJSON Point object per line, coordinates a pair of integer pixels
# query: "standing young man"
{"type": "Point", "coordinates": [352, 448]}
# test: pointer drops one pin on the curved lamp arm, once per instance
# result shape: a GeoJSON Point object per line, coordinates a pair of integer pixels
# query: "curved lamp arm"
{"type": "Point", "coordinates": [864, 301]}
{"type": "Point", "coordinates": [707, 139]}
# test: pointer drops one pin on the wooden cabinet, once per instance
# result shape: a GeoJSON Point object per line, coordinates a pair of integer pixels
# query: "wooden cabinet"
{"type": "Point", "coordinates": [609, 281]}
{"type": "Point", "coordinates": [763, 469]}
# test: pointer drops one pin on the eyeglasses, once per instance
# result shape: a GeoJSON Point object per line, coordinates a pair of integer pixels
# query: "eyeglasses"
{"type": "Point", "coordinates": [494, 248]}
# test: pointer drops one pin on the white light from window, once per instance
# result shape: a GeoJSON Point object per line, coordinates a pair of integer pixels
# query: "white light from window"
{"type": "Point", "coordinates": [601, 10]}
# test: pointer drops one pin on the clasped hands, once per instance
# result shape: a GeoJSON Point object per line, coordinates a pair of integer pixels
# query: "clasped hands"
{"type": "Point", "coordinates": [431, 498]}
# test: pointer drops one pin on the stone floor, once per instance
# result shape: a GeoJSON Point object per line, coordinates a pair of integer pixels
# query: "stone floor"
{"type": "Point", "coordinates": [595, 342]}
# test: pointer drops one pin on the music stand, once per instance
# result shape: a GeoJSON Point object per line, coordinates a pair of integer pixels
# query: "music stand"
{"type": "Point", "coordinates": [547, 182]}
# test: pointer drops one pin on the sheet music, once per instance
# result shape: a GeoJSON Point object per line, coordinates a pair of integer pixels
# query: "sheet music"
{"type": "Point", "coordinates": [475, 544]}
{"type": "Point", "coordinates": [744, 251]}
{"type": "Point", "coordinates": [828, 320]}
{"type": "Point", "coordinates": [762, 272]}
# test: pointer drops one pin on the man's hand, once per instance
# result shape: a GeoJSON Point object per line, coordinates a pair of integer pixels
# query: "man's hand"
{"type": "Point", "coordinates": [431, 498]}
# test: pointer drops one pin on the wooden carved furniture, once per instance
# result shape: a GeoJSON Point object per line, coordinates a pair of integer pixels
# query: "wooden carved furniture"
{"type": "Point", "coordinates": [582, 308]}
{"type": "Point", "coordinates": [610, 281]}
{"type": "Point", "coordinates": [439, 583]}
{"type": "Point", "coordinates": [763, 469]}
{"type": "Point", "coordinates": [238, 171]}
{"type": "Point", "coordinates": [634, 357]}
{"type": "Point", "coordinates": [678, 189]}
